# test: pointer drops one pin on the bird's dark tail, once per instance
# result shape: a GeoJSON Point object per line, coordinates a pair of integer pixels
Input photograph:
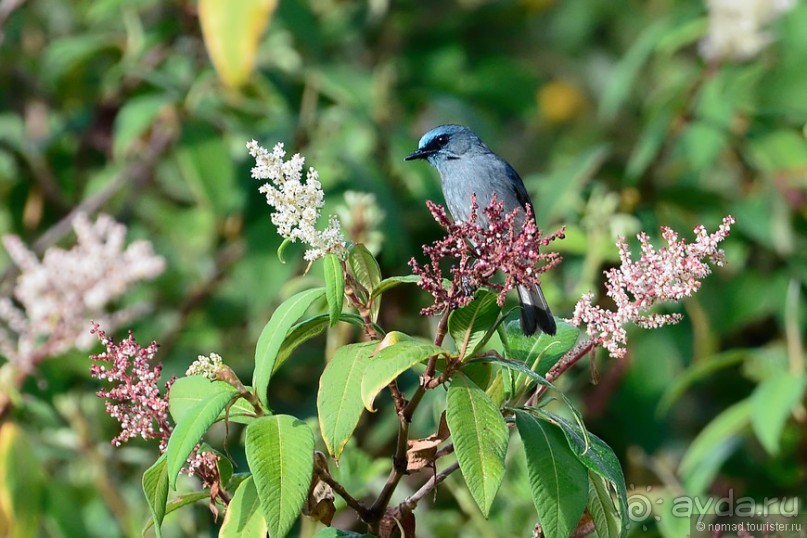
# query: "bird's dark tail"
{"type": "Point", "coordinates": [535, 312]}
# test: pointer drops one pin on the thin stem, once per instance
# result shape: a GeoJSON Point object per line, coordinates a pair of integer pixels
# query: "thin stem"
{"type": "Point", "coordinates": [568, 360]}
{"type": "Point", "coordinates": [364, 311]}
{"type": "Point", "coordinates": [342, 492]}
{"type": "Point", "coordinates": [410, 502]}
{"type": "Point", "coordinates": [442, 328]}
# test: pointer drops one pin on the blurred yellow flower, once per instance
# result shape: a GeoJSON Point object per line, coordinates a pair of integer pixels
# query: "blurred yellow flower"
{"type": "Point", "coordinates": [560, 101]}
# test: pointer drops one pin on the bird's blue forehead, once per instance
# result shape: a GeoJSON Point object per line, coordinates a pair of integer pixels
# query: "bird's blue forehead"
{"type": "Point", "coordinates": [447, 130]}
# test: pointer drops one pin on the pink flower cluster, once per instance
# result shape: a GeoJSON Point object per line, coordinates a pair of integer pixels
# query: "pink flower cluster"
{"type": "Point", "coordinates": [669, 274]}
{"type": "Point", "coordinates": [497, 241]}
{"type": "Point", "coordinates": [135, 401]}
{"type": "Point", "coordinates": [56, 297]}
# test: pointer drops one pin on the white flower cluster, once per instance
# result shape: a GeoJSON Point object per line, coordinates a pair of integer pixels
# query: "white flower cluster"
{"type": "Point", "coordinates": [205, 366]}
{"type": "Point", "coordinates": [56, 298]}
{"type": "Point", "coordinates": [297, 204]}
{"type": "Point", "coordinates": [737, 27]}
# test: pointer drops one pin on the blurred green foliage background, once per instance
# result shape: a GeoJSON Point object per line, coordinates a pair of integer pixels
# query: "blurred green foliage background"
{"type": "Point", "coordinates": [607, 109]}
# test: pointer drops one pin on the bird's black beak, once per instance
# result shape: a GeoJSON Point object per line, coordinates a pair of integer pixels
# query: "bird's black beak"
{"type": "Point", "coordinates": [419, 154]}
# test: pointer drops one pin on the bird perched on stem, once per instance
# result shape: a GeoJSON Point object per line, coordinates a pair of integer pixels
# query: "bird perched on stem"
{"type": "Point", "coordinates": [468, 167]}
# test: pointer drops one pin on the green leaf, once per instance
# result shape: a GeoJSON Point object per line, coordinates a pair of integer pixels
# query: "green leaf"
{"type": "Point", "coordinates": [695, 373]}
{"type": "Point", "coordinates": [469, 326]}
{"type": "Point", "coordinates": [480, 439]}
{"type": "Point", "coordinates": [186, 392]}
{"type": "Point", "coordinates": [135, 118]}
{"type": "Point", "coordinates": [539, 352]}
{"type": "Point", "coordinates": [521, 368]}
{"type": "Point", "coordinates": [243, 517]}
{"type": "Point", "coordinates": [64, 54]}
{"type": "Point", "coordinates": [273, 335]}
{"type": "Point", "coordinates": [339, 402]}
{"type": "Point", "coordinates": [334, 286]}
{"type": "Point", "coordinates": [772, 402]}
{"type": "Point", "coordinates": [367, 271]}
{"type": "Point", "coordinates": [308, 329]}
{"type": "Point", "coordinates": [232, 33]}
{"type": "Point", "coordinates": [391, 282]}
{"type": "Point", "coordinates": [622, 80]}
{"type": "Point", "coordinates": [22, 482]}
{"type": "Point", "coordinates": [280, 453]}
{"type": "Point", "coordinates": [558, 479]}
{"type": "Point", "coordinates": [596, 455]}
{"type": "Point", "coordinates": [181, 501]}
{"type": "Point", "coordinates": [654, 133]}
{"type": "Point", "coordinates": [155, 487]}
{"type": "Point", "coordinates": [713, 445]}
{"type": "Point", "coordinates": [188, 431]}
{"type": "Point", "coordinates": [391, 362]}
{"type": "Point", "coordinates": [206, 165]}
{"type": "Point", "coordinates": [602, 509]}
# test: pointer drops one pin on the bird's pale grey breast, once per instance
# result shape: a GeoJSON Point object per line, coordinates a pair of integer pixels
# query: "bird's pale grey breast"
{"type": "Point", "coordinates": [481, 174]}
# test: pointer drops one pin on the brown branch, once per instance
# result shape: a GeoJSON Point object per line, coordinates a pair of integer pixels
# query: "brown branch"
{"type": "Point", "coordinates": [410, 502]}
{"type": "Point", "coordinates": [351, 501]}
{"type": "Point", "coordinates": [351, 286]}
{"type": "Point", "coordinates": [567, 361]}
{"type": "Point", "coordinates": [442, 328]}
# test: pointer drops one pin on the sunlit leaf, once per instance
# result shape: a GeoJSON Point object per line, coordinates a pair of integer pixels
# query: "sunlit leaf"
{"type": "Point", "coordinates": [188, 431]}
{"type": "Point", "coordinates": [232, 31]}
{"type": "Point", "coordinates": [280, 452]}
{"type": "Point", "coordinates": [558, 480]}
{"type": "Point", "coordinates": [339, 402]}
{"type": "Point", "coordinates": [334, 286]}
{"type": "Point", "coordinates": [244, 518]}
{"type": "Point", "coordinates": [480, 439]}
{"type": "Point", "coordinates": [273, 335]}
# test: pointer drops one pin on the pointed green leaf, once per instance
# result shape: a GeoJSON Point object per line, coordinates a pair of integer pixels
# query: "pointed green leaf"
{"type": "Point", "coordinates": [181, 501]}
{"type": "Point", "coordinates": [280, 453]}
{"type": "Point", "coordinates": [480, 439]}
{"type": "Point", "coordinates": [773, 401]}
{"type": "Point", "coordinates": [595, 454]}
{"type": "Point", "coordinates": [391, 362]}
{"type": "Point", "coordinates": [339, 403]}
{"type": "Point", "coordinates": [469, 326]}
{"type": "Point", "coordinates": [203, 158]}
{"type": "Point", "coordinates": [273, 335]}
{"type": "Point", "coordinates": [244, 518]}
{"type": "Point", "coordinates": [520, 367]}
{"type": "Point", "coordinates": [334, 286]}
{"type": "Point", "coordinates": [367, 271]}
{"type": "Point", "coordinates": [540, 351]}
{"type": "Point", "coordinates": [558, 480]}
{"type": "Point", "coordinates": [602, 509]}
{"type": "Point", "coordinates": [155, 487]}
{"type": "Point", "coordinates": [188, 391]}
{"type": "Point", "coordinates": [713, 445]}
{"type": "Point", "coordinates": [137, 115]}
{"type": "Point", "coordinates": [393, 281]}
{"type": "Point", "coordinates": [191, 428]}
{"type": "Point", "coordinates": [308, 329]}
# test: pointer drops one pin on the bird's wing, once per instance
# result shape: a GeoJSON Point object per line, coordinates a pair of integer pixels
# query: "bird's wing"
{"type": "Point", "coordinates": [517, 185]}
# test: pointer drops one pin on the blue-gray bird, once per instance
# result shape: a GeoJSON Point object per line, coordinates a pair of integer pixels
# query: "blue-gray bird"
{"type": "Point", "coordinates": [467, 166]}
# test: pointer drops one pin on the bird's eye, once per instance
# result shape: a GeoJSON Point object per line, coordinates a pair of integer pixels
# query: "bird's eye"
{"type": "Point", "coordinates": [442, 140]}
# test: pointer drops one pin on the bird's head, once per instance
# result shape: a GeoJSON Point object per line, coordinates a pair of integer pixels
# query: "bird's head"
{"type": "Point", "coordinates": [446, 142]}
